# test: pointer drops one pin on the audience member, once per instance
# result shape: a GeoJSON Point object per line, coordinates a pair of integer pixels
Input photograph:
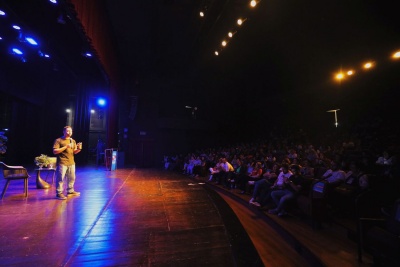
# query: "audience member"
{"type": "Point", "coordinates": [255, 175]}
{"type": "Point", "coordinates": [262, 185]}
{"type": "Point", "coordinates": [288, 191]}
{"type": "Point", "coordinates": [279, 183]}
{"type": "Point", "coordinates": [334, 175]}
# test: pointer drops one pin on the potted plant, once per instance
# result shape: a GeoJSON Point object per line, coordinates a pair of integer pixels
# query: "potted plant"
{"type": "Point", "coordinates": [42, 161]}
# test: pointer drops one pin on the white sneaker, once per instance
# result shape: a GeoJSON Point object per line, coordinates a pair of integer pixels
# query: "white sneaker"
{"type": "Point", "coordinates": [251, 200]}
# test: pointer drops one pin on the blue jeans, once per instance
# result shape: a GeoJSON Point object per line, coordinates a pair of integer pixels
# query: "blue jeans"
{"type": "Point", "coordinates": [65, 173]}
{"type": "Point", "coordinates": [281, 198]}
{"type": "Point", "coordinates": [260, 186]}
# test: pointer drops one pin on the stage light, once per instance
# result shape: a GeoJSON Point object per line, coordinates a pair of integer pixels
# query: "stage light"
{"type": "Point", "coordinates": [253, 3]}
{"type": "Point", "coordinates": [368, 65]}
{"type": "Point", "coordinates": [16, 27]}
{"type": "Point", "coordinates": [350, 72]}
{"type": "Point", "coordinates": [216, 53]}
{"type": "Point", "coordinates": [339, 76]}
{"type": "Point", "coordinates": [231, 34]}
{"type": "Point", "coordinates": [68, 110]}
{"type": "Point", "coordinates": [31, 40]}
{"type": "Point", "coordinates": [2, 13]}
{"type": "Point", "coordinates": [224, 43]}
{"type": "Point", "coordinates": [53, 1]}
{"type": "Point", "coordinates": [201, 14]}
{"type": "Point", "coordinates": [101, 102]}
{"type": "Point", "coordinates": [17, 51]}
{"type": "Point", "coordinates": [240, 21]}
{"type": "Point", "coordinates": [41, 54]}
{"type": "Point", "coordinates": [396, 55]}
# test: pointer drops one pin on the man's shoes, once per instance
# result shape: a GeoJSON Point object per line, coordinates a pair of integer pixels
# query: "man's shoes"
{"type": "Point", "coordinates": [73, 193]}
{"type": "Point", "coordinates": [61, 196]}
{"type": "Point", "coordinates": [255, 203]}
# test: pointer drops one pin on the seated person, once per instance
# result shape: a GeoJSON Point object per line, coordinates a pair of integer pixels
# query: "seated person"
{"type": "Point", "coordinates": [255, 175]}
{"type": "Point", "coordinates": [215, 170]}
{"type": "Point", "coordinates": [240, 170]}
{"type": "Point", "coordinates": [278, 184]}
{"type": "Point", "coordinates": [342, 197]}
{"type": "Point", "coordinates": [260, 186]}
{"type": "Point", "coordinates": [385, 159]}
{"type": "Point", "coordinates": [306, 170]}
{"type": "Point", "coordinates": [291, 189]}
{"type": "Point", "coordinates": [225, 173]}
{"type": "Point", "coordinates": [356, 178]}
{"type": "Point", "coordinates": [334, 176]}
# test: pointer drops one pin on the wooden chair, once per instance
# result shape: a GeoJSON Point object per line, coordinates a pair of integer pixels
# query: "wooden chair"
{"type": "Point", "coordinates": [14, 173]}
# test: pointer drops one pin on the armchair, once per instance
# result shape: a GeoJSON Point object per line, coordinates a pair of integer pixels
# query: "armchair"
{"type": "Point", "coordinates": [14, 173]}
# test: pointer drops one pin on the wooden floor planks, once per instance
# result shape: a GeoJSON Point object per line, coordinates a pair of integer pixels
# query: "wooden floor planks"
{"type": "Point", "coordinates": [147, 217]}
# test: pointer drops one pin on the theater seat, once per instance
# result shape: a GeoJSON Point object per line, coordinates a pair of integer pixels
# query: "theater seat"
{"type": "Point", "coordinates": [382, 239]}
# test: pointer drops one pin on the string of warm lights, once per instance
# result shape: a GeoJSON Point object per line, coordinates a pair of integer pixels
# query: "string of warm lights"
{"type": "Point", "coordinates": [230, 34]}
{"type": "Point", "coordinates": [339, 76]}
{"type": "Point", "coordinates": [345, 74]}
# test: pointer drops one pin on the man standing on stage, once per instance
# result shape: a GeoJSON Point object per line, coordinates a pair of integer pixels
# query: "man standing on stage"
{"type": "Point", "coordinates": [65, 148]}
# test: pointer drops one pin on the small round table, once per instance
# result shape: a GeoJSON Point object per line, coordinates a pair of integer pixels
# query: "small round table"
{"type": "Point", "coordinates": [42, 183]}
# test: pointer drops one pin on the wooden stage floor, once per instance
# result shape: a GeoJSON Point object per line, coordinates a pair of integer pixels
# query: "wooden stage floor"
{"type": "Point", "coordinates": [137, 217]}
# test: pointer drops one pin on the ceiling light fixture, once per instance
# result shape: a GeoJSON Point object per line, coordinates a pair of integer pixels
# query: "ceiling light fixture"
{"type": "Point", "coordinates": [31, 41]}
{"type": "Point", "coordinates": [231, 34]}
{"type": "Point", "coordinates": [368, 65]}
{"type": "Point", "coordinates": [17, 51]}
{"type": "Point", "coordinates": [396, 55]}
{"type": "Point", "coordinates": [240, 21]}
{"type": "Point", "coordinates": [253, 3]}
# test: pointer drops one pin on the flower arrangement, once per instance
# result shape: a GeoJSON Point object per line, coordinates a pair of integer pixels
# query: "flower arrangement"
{"type": "Point", "coordinates": [3, 140]}
{"type": "Point", "coordinates": [42, 161]}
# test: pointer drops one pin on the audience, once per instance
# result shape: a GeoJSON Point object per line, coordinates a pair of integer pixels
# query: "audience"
{"type": "Point", "coordinates": [344, 162]}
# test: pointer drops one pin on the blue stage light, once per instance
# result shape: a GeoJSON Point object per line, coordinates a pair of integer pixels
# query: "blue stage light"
{"type": "Point", "coordinates": [101, 102]}
{"type": "Point", "coordinates": [17, 51]}
{"type": "Point", "coordinates": [31, 40]}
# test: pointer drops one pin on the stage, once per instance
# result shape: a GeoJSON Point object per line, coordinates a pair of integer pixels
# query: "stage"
{"type": "Point", "coordinates": [126, 217]}
{"type": "Point", "coordinates": [152, 217]}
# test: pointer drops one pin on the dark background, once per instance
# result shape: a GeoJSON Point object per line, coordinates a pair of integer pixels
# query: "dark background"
{"type": "Point", "coordinates": [276, 72]}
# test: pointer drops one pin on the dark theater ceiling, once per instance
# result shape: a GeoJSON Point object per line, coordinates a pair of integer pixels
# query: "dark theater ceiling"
{"type": "Point", "coordinates": [285, 53]}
